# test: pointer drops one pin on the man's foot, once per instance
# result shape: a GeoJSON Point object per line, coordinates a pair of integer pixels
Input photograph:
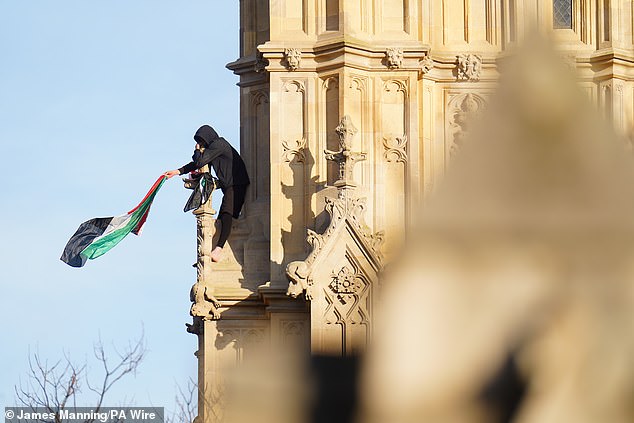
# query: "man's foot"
{"type": "Point", "coordinates": [216, 254]}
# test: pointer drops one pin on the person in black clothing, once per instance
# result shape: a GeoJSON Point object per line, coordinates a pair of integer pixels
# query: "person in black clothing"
{"type": "Point", "coordinates": [231, 172]}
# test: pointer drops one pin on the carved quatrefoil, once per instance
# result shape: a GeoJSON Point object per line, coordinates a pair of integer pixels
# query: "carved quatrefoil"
{"type": "Point", "coordinates": [345, 281]}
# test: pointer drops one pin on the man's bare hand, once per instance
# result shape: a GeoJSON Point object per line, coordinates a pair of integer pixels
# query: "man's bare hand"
{"type": "Point", "coordinates": [171, 173]}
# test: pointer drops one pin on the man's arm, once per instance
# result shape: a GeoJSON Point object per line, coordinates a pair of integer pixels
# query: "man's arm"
{"type": "Point", "coordinates": [189, 167]}
{"type": "Point", "coordinates": [200, 158]}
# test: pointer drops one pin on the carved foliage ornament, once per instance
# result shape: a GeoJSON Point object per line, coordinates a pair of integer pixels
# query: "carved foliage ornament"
{"type": "Point", "coordinates": [426, 64]}
{"type": "Point", "coordinates": [469, 67]}
{"type": "Point", "coordinates": [294, 150]}
{"type": "Point", "coordinates": [394, 57]}
{"type": "Point", "coordinates": [293, 57]}
{"type": "Point", "coordinates": [345, 281]}
{"type": "Point", "coordinates": [347, 297]}
{"type": "Point", "coordinates": [395, 149]}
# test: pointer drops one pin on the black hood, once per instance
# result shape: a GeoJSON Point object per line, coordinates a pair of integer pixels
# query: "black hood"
{"type": "Point", "coordinates": [205, 135]}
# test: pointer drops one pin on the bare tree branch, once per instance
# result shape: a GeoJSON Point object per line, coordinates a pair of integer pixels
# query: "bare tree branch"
{"type": "Point", "coordinates": [186, 403]}
{"type": "Point", "coordinates": [129, 361]}
{"type": "Point", "coordinates": [56, 387]}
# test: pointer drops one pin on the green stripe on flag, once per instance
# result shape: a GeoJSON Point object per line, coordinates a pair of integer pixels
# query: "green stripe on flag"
{"type": "Point", "coordinates": [106, 242]}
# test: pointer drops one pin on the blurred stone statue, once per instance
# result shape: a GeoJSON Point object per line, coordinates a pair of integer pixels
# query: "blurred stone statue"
{"type": "Point", "coordinates": [514, 299]}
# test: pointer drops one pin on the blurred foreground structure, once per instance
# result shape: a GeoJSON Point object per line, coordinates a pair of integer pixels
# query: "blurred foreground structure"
{"type": "Point", "coordinates": [371, 123]}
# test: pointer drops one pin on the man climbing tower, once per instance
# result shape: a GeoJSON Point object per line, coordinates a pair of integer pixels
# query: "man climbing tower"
{"type": "Point", "coordinates": [231, 172]}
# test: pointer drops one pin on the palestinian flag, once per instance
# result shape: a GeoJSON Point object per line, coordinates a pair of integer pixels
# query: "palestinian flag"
{"type": "Point", "coordinates": [97, 236]}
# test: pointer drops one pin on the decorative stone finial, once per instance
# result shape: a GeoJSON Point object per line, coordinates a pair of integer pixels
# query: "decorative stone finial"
{"type": "Point", "coordinates": [340, 274]}
{"type": "Point", "coordinates": [345, 157]}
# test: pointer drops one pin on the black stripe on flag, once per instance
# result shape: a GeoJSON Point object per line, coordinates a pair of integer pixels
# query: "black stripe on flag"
{"type": "Point", "coordinates": [83, 237]}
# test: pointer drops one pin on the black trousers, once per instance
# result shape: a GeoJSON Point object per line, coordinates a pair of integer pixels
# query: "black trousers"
{"type": "Point", "coordinates": [232, 202]}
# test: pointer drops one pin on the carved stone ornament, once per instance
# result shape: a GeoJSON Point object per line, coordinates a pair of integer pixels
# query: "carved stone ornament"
{"type": "Point", "coordinates": [347, 228]}
{"type": "Point", "coordinates": [426, 64]}
{"type": "Point", "coordinates": [204, 305]}
{"type": "Point", "coordinates": [345, 157]}
{"type": "Point", "coordinates": [469, 67]}
{"type": "Point", "coordinates": [348, 301]}
{"type": "Point", "coordinates": [463, 111]}
{"type": "Point", "coordinates": [394, 57]}
{"type": "Point", "coordinates": [294, 151]}
{"type": "Point", "coordinates": [344, 281]}
{"type": "Point", "coordinates": [293, 57]}
{"type": "Point", "coordinates": [260, 63]}
{"type": "Point", "coordinates": [395, 149]}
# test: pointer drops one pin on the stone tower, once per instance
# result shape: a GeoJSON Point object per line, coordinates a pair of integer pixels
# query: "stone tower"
{"type": "Point", "coordinates": [350, 111]}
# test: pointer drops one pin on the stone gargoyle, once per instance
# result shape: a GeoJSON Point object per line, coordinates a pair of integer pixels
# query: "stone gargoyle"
{"type": "Point", "coordinates": [205, 305]}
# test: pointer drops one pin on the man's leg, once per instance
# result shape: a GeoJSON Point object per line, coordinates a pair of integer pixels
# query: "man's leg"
{"type": "Point", "coordinates": [232, 202]}
{"type": "Point", "coordinates": [225, 229]}
{"type": "Point", "coordinates": [224, 216]}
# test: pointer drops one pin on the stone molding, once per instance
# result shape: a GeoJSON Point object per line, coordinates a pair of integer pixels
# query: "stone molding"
{"type": "Point", "coordinates": [321, 57]}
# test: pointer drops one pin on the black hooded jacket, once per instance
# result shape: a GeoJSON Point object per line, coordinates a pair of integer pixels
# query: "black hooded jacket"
{"type": "Point", "coordinates": [222, 157]}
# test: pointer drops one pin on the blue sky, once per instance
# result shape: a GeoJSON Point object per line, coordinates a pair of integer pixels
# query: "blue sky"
{"type": "Point", "coordinates": [97, 99]}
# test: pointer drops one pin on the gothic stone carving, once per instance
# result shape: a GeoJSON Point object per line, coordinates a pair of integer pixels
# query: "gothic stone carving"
{"type": "Point", "coordinates": [298, 273]}
{"type": "Point", "coordinates": [394, 57]}
{"type": "Point", "coordinates": [294, 150]}
{"type": "Point", "coordinates": [426, 64]}
{"type": "Point", "coordinates": [345, 282]}
{"type": "Point", "coordinates": [463, 110]}
{"type": "Point", "coordinates": [293, 57]}
{"type": "Point", "coordinates": [260, 63]}
{"type": "Point", "coordinates": [346, 297]}
{"type": "Point", "coordinates": [395, 149]}
{"type": "Point", "coordinates": [345, 157]}
{"type": "Point", "coordinates": [341, 211]}
{"type": "Point", "coordinates": [346, 212]}
{"type": "Point", "coordinates": [204, 305]}
{"type": "Point", "coordinates": [469, 67]}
